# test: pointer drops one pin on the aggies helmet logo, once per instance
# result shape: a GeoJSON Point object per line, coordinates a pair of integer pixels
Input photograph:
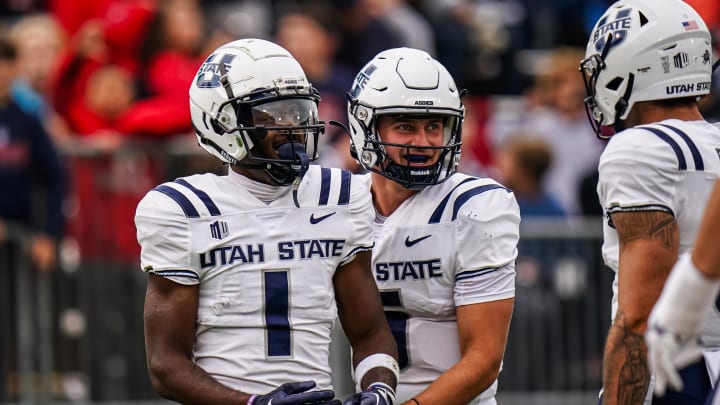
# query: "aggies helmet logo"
{"type": "Point", "coordinates": [209, 74]}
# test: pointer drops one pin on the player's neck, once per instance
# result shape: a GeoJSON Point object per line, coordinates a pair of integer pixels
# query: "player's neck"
{"type": "Point", "coordinates": [649, 112]}
{"type": "Point", "coordinates": [257, 174]}
{"type": "Point", "coordinates": [388, 195]}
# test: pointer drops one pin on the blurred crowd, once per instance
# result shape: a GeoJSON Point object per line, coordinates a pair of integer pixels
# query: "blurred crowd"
{"type": "Point", "coordinates": [93, 98]}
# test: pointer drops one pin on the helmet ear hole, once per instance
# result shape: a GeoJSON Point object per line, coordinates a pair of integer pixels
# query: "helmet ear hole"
{"type": "Point", "coordinates": [614, 84]}
{"type": "Point", "coordinates": [217, 127]}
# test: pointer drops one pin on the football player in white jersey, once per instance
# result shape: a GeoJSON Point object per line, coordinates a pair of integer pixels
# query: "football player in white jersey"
{"type": "Point", "coordinates": [247, 271]}
{"type": "Point", "coordinates": [690, 291]}
{"type": "Point", "coordinates": [647, 63]}
{"type": "Point", "coordinates": [445, 242]}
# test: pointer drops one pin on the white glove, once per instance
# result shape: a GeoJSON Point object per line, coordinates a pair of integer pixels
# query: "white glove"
{"type": "Point", "coordinates": [675, 321]}
{"type": "Point", "coordinates": [668, 353]}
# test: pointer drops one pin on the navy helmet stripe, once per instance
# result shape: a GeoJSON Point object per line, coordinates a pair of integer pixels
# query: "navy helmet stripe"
{"type": "Point", "coordinates": [682, 165]}
{"type": "Point", "coordinates": [345, 179]}
{"type": "Point", "coordinates": [465, 196]}
{"type": "Point", "coordinates": [697, 157]}
{"type": "Point", "coordinates": [183, 202]}
{"type": "Point", "coordinates": [324, 186]}
{"type": "Point", "coordinates": [212, 208]}
{"type": "Point", "coordinates": [435, 217]}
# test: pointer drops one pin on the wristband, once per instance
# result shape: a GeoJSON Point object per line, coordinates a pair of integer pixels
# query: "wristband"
{"type": "Point", "coordinates": [372, 361]}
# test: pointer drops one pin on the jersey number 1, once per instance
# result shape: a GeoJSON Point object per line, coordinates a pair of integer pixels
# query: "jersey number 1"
{"type": "Point", "coordinates": [277, 320]}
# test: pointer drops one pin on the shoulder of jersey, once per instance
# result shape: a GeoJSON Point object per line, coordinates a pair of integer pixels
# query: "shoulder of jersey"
{"type": "Point", "coordinates": [324, 186]}
{"type": "Point", "coordinates": [443, 202]}
{"type": "Point", "coordinates": [195, 196]}
{"type": "Point", "coordinates": [659, 145]}
{"type": "Point", "coordinates": [205, 195]}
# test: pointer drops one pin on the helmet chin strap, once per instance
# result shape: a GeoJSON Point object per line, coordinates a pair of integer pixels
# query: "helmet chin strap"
{"type": "Point", "coordinates": [295, 171]}
{"type": "Point", "coordinates": [404, 175]}
{"type": "Point", "coordinates": [295, 152]}
{"type": "Point", "coordinates": [622, 104]}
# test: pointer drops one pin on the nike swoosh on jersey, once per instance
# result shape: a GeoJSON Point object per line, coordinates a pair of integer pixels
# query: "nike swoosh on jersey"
{"type": "Point", "coordinates": [409, 242]}
{"type": "Point", "coordinates": [314, 220]}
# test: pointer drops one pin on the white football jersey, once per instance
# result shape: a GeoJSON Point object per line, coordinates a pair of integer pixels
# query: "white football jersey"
{"type": "Point", "coordinates": [668, 166]}
{"type": "Point", "coordinates": [448, 245]}
{"type": "Point", "coordinates": [266, 296]}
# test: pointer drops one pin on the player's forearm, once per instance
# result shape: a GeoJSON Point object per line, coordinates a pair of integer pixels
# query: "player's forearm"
{"type": "Point", "coordinates": [189, 384]}
{"type": "Point", "coordinates": [625, 373]}
{"type": "Point", "coordinates": [465, 380]}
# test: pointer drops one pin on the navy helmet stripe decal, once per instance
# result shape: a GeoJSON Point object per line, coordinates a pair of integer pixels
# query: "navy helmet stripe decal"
{"type": "Point", "coordinates": [179, 198]}
{"type": "Point", "coordinates": [212, 208]}
{"type": "Point", "coordinates": [682, 165]}
{"type": "Point", "coordinates": [465, 196]}
{"type": "Point", "coordinates": [435, 217]}
{"type": "Point", "coordinates": [697, 157]}
{"type": "Point", "coordinates": [324, 186]}
{"type": "Point", "coordinates": [345, 179]}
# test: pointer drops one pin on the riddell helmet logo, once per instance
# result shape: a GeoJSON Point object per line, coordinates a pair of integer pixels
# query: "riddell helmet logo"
{"type": "Point", "coordinates": [424, 102]}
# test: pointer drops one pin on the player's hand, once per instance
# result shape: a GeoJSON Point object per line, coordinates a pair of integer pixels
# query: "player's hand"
{"type": "Point", "coordinates": [297, 393]}
{"type": "Point", "coordinates": [667, 353]}
{"type": "Point", "coordinates": [376, 394]}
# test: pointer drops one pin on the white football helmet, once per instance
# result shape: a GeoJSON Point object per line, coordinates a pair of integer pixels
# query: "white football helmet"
{"type": "Point", "coordinates": [404, 81]}
{"type": "Point", "coordinates": [246, 88]}
{"type": "Point", "coordinates": [642, 50]}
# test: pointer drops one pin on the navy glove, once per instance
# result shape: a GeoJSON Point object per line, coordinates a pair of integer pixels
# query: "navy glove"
{"type": "Point", "coordinates": [376, 394]}
{"type": "Point", "coordinates": [295, 394]}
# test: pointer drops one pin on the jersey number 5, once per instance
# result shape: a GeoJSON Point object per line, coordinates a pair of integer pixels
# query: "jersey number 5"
{"type": "Point", "coordinates": [398, 321]}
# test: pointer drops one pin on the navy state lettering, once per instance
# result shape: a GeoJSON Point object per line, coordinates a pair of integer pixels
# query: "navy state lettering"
{"type": "Point", "coordinates": [410, 270]}
{"type": "Point", "coordinates": [310, 249]}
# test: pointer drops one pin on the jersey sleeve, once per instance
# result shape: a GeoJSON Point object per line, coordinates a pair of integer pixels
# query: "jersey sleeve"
{"type": "Point", "coordinates": [362, 216]}
{"type": "Point", "coordinates": [162, 232]}
{"type": "Point", "coordinates": [637, 172]}
{"type": "Point", "coordinates": [487, 232]}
